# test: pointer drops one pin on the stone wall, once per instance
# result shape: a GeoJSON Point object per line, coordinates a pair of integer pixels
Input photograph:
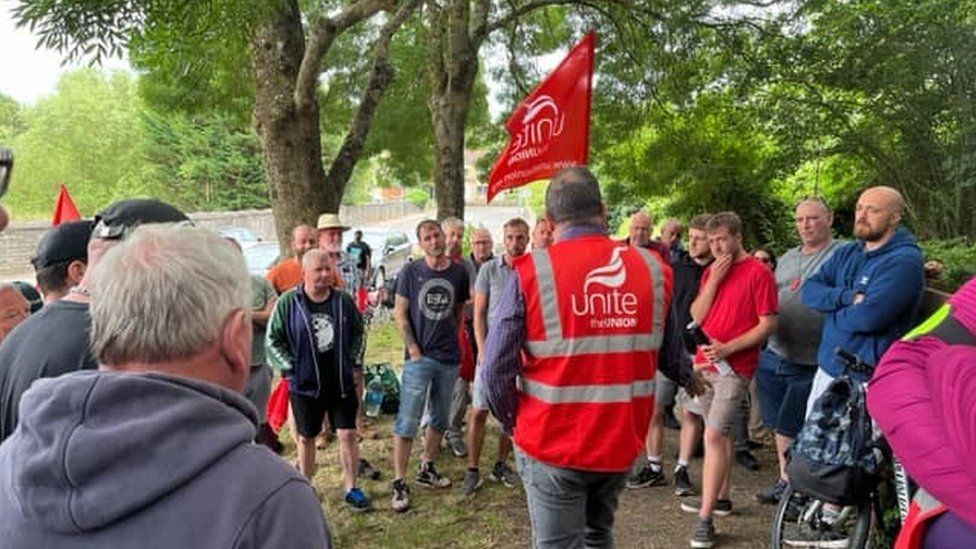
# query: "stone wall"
{"type": "Point", "coordinates": [19, 240]}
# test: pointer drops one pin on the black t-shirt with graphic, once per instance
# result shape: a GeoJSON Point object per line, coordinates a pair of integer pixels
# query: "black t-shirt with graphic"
{"type": "Point", "coordinates": [359, 252]}
{"type": "Point", "coordinates": [324, 335]}
{"type": "Point", "coordinates": [434, 296]}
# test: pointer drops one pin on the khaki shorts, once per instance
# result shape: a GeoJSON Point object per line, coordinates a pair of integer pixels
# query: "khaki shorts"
{"type": "Point", "coordinates": [720, 404]}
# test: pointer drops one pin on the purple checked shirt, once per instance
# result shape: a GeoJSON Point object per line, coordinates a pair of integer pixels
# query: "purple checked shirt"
{"type": "Point", "coordinates": [501, 362]}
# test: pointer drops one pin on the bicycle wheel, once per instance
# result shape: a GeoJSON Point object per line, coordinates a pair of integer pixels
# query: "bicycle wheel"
{"type": "Point", "coordinates": [798, 515]}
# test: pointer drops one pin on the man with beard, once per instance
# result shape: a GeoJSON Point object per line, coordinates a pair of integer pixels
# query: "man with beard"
{"type": "Point", "coordinates": [492, 279]}
{"type": "Point", "coordinates": [430, 297]}
{"type": "Point", "coordinates": [869, 290]}
{"type": "Point", "coordinates": [288, 273]}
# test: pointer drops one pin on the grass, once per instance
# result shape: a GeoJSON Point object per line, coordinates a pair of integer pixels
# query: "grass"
{"type": "Point", "coordinates": [494, 517]}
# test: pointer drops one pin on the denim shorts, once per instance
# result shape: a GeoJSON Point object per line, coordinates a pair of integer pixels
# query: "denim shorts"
{"type": "Point", "coordinates": [783, 388]}
{"type": "Point", "coordinates": [420, 378]}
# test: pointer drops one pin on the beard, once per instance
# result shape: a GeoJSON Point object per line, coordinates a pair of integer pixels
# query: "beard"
{"type": "Point", "coordinates": [864, 232]}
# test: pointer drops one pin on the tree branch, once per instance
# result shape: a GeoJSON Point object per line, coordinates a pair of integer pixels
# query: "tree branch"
{"type": "Point", "coordinates": [321, 37]}
{"type": "Point", "coordinates": [380, 78]}
{"type": "Point", "coordinates": [480, 32]}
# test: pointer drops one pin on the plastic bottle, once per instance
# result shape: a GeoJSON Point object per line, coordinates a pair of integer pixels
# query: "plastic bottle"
{"type": "Point", "coordinates": [373, 399]}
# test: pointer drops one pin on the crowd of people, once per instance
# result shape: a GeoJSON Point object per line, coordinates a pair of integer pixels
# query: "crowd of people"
{"type": "Point", "coordinates": [580, 347]}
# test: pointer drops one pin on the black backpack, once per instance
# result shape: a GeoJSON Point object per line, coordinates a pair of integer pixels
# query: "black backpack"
{"type": "Point", "coordinates": [835, 457]}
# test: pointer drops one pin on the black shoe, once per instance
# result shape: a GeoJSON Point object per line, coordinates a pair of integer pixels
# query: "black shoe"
{"type": "Point", "coordinates": [671, 422]}
{"type": "Point", "coordinates": [647, 477]}
{"type": "Point", "coordinates": [723, 507]}
{"type": "Point", "coordinates": [747, 460]}
{"type": "Point", "coordinates": [773, 494]}
{"type": "Point", "coordinates": [682, 483]}
{"type": "Point", "coordinates": [703, 536]}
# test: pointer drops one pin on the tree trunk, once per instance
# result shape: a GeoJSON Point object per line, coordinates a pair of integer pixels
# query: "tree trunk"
{"type": "Point", "coordinates": [290, 143]}
{"type": "Point", "coordinates": [448, 114]}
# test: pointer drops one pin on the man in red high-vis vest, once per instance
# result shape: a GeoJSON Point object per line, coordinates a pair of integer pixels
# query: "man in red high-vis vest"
{"type": "Point", "coordinates": [580, 324]}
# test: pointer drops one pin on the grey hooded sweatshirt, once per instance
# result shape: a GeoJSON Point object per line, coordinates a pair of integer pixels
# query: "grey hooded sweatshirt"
{"type": "Point", "coordinates": [107, 459]}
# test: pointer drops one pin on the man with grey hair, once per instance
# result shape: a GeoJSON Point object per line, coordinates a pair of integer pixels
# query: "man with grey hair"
{"type": "Point", "coordinates": [55, 340]}
{"type": "Point", "coordinates": [68, 473]}
{"type": "Point", "coordinates": [671, 235]}
{"type": "Point", "coordinates": [586, 363]}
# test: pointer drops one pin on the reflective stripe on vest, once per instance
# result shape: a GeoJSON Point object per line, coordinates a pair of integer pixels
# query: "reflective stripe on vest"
{"type": "Point", "coordinates": [556, 345]}
{"type": "Point", "coordinates": [588, 394]}
{"type": "Point", "coordinates": [924, 508]}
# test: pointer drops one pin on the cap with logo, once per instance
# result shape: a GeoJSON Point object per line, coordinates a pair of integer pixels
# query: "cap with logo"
{"type": "Point", "coordinates": [119, 218]}
{"type": "Point", "coordinates": [66, 242]}
{"type": "Point", "coordinates": [331, 221]}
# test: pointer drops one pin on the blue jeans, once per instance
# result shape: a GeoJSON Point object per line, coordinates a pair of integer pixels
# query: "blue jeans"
{"type": "Point", "coordinates": [420, 377]}
{"type": "Point", "coordinates": [783, 388]}
{"type": "Point", "coordinates": [568, 508]}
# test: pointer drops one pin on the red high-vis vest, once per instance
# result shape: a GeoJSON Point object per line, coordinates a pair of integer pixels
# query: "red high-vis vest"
{"type": "Point", "coordinates": [923, 509]}
{"type": "Point", "coordinates": [594, 315]}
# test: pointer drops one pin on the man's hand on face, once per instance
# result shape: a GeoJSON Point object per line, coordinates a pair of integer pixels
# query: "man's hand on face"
{"type": "Point", "coordinates": [720, 268]}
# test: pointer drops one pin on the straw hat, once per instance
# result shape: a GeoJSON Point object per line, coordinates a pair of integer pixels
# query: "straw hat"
{"type": "Point", "coordinates": [331, 221]}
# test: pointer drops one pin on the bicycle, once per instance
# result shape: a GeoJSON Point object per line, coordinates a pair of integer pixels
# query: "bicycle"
{"type": "Point", "coordinates": [849, 525]}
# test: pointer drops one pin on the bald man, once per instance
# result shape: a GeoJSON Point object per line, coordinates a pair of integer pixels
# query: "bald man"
{"type": "Point", "coordinates": [671, 235]}
{"type": "Point", "coordinates": [639, 234]}
{"type": "Point", "coordinates": [869, 289]}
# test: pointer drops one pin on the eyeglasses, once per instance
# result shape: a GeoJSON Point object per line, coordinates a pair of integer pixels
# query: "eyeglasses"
{"type": "Point", "coordinates": [765, 259]}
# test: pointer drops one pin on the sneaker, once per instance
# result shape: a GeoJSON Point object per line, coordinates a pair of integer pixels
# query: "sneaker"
{"type": "Point", "coordinates": [457, 446]}
{"type": "Point", "coordinates": [428, 476]}
{"type": "Point", "coordinates": [366, 470]}
{"type": "Point", "coordinates": [357, 501]}
{"type": "Point", "coordinates": [401, 495]}
{"type": "Point", "coordinates": [682, 483]}
{"type": "Point", "coordinates": [747, 460]}
{"type": "Point", "coordinates": [704, 534]}
{"type": "Point", "coordinates": [647, 476]}
{"type": "Point", "coordinates": [504, 474]}
{"type": "Point", "coordinates": [773, 494]}
{"type": "Point", "coordinates": [723, 507]}
{"type": "Point", "coordinates": [472, 481]}
{"type": "Point", "coordinates": [826, 538]}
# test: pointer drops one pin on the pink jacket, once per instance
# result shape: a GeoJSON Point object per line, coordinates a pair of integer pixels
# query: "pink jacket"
{"type": "Point", "coordinates": [923, 396]}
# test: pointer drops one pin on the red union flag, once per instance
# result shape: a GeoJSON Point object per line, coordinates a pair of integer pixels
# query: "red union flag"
{"type": "Point", "coordinates": [64, 208]}
{"type": "Point", "coordinates": [550, 129]}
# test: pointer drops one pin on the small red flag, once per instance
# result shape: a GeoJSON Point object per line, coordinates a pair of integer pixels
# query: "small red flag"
{"type": "Point", "coordinates": [64, 208]}
{"type": "Point", "coordinates": [550, 129]}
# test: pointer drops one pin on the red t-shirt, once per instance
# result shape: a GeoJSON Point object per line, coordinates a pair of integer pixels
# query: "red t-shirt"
{"type": "Point", "coordinates": [747, 292]}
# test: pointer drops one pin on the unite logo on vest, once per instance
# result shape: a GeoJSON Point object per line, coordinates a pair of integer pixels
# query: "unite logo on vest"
{"type": "Point", "coordinates": [606, 306]}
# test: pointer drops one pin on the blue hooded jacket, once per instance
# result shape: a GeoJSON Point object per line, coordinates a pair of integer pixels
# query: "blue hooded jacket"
{"type": "Point", "coordinates": [891, 281]}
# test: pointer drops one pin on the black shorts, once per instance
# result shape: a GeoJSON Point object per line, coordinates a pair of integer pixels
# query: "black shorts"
{"type": "Point", "coordinates": [310, 411]}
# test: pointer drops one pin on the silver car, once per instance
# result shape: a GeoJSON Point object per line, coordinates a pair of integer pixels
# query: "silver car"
{"type": "Point", "coordinates": [391, 251]}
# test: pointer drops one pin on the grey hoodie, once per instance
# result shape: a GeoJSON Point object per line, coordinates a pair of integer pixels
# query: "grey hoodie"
{"type": "Point", "coordinates": [106, 459]}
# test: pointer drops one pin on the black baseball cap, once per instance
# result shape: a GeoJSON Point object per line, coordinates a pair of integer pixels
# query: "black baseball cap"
{"type": "Point", "coordinates": [66, 242]}
{"type": "Point", "coordinates": [32, 296]}
{"type": "Point", "coordinates": [119, 218]}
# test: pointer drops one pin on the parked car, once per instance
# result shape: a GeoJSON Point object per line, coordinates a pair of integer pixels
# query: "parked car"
{"type": "Point", "coordinates": [391, 251]}
{"type": "Point", "coordinates": [260, 257]}
{"type": "Point", "coordinates": [243, 236]}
